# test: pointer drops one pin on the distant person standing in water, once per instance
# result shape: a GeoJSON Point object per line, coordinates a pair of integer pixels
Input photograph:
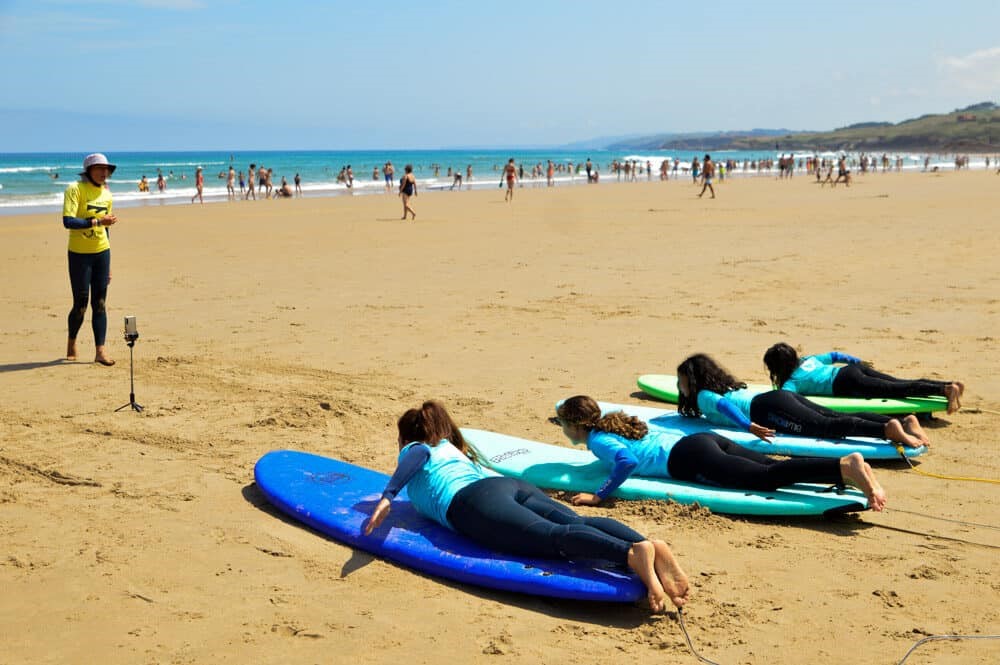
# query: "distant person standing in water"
{"type": "Point", "coordinates": [388, 171]}
{"type": "Point", "coordinates": [87, 213]}
{"type": "Point", "coordinates": [231, 183]}
{"type": "Point", "coordinates": [708, 169]}
{"type": "Point", "coordinates": [407, 189]}
{"type": "Point", "coordinates": [298, 185]}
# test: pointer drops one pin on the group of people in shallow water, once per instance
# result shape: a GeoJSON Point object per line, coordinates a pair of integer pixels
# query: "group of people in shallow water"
{"type": "Point", "coordinates": [448, 483]}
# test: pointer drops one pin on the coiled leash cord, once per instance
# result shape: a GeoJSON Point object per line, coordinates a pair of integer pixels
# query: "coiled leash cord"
{"type": "Point", "coordinates": [931, 638]}
{"type": "Point", "coordinates": [916, 645]}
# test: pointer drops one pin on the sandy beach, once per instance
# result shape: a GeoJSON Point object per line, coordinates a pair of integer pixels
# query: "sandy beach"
{"type": "Point", "coordinates": [312, 324]}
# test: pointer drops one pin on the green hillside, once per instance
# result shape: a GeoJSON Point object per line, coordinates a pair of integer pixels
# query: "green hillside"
{"type": "Point", "coordinates": [972, 129]}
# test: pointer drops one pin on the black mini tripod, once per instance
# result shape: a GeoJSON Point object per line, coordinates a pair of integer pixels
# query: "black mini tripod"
{"type": "Point", "coordinates": [130, 340]}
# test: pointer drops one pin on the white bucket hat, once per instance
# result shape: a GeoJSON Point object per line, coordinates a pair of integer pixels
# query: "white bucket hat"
{"type": "Point", "coordinates": [97, 159]}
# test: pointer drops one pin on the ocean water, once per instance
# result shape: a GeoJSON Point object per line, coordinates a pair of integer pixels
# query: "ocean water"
{"type": "Point", "coordinates": [34, 182]}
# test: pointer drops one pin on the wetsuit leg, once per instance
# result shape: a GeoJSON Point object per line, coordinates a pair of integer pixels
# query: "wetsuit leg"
{"type": "Point", "coordinates": [709, 458]}
{"type": "Point", "coordinates": [510, 515]}
{"type": "Point", "coordinates": [792, 413]}
{"type": "Point", "coordinates": [859, 380]}
{"type": "Point", "coordinates": [100, 275]}
{"type": "Point", "coordinates": [80, 270]}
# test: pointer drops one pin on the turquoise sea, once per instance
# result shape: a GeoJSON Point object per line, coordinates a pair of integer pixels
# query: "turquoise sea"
{"type": "Point", "coordinates": [34, 182]}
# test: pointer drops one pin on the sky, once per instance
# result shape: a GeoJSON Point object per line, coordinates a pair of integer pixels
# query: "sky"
{"type": "Point", "coordinates": [227, 75]}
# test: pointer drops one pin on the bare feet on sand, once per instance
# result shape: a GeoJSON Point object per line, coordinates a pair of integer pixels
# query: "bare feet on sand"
{"type": "Point", "coordinates": [103, 358]}
{"type": "Point", "coordinates": [70, 349]}
{"type": "Point", "coordinates": [641, 559]}
{"type": "Point", "coordinates": [855, 471]}
{"type": "Point", "coordinates": [912, 425]}
{"type": "Point", "coordinates": [954, 392]}
{"type": "Point", "coordinates": [894, 432]}
{"type": "Point", "coordinates": [669, 572]}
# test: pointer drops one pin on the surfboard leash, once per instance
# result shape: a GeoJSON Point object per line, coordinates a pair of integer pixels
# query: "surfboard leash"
{"type": "Point", "coordinates": [931, 638]}
{"type": "Point", "coordinates": [687, 638]}
{"type": "Point", "coordinates": [943, 519]}
{"type": "Point", "coordinates": [899, 449]}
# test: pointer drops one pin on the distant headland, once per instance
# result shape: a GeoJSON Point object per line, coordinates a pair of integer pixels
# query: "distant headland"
{"type": "Point", "coordinates": [974, 128]}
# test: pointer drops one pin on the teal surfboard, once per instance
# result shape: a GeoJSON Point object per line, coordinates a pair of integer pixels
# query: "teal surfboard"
{"type": "Point", "coordinates": [577, 470]}
{"type": "Point", "coordinates": [664, 387]}
{"type": "Point", "coordinates": [782, 444]}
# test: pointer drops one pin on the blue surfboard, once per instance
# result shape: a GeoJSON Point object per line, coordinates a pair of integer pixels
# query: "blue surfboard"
{"type": "Point", "coordinates": [783, 444]}
{"type": "Point", "coordinates": [337, 498]}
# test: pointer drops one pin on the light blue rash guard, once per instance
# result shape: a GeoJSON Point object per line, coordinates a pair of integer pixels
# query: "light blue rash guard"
{"type": "Point", "coordinates": [433, 485]}
{"type": "Point", "coordinates": [644, 457]}
{"type": "Point", "coordinates": [727, 410]}
{"type": "Point", "coordinates": [815, 374]}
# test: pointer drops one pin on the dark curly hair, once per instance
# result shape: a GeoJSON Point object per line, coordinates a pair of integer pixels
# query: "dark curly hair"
{"type": "Point", "coordinates": [781, 360]}
{"type": "Point", "coordinates": [703, 373]}
{"type": "Point", "coordinates": [583, 410]}
{"type": "Point", "coordinates": [430, 424]}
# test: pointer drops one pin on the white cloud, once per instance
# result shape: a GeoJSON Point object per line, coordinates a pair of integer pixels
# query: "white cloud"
{"type": "Point", "coordinates": [977, 72]}
{"type": "Point", "coordinates": [983, 58]}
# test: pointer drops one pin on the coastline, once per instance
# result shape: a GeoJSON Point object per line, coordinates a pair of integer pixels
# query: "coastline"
{"type": "Point", "coordinates": [141, 537]}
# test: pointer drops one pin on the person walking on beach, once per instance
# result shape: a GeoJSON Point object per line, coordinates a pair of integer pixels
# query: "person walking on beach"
{"type": "Point", "coordinates": [842, 173]}
{"type": "Point", "coordinates": [298, 185]}
{"type": "Point", "coordinates": [231, 183]}
{"type": "Point", "coordinates": [199, 184]}
{"type": "Point", "coordinates": [589, 166]}
{"type": "Point", "coordinates": [447, 484]}
{"type": "Point", "coordinates": [250, 183]}
{"type": "Point", "coordinates": [407, 189]}
{"type": "Point", "coordinates": [87, 214]}
{"type": "Point", "coordinates": [510, 174]}
{"type": "Point", "coordinates": [707, 175]}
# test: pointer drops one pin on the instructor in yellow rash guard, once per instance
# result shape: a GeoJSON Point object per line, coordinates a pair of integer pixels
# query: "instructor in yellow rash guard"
{"type": "Point", "coordinates": [87, 214]}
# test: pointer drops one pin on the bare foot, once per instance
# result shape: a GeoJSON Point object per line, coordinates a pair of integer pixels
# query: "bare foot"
{"type": "Point", "coordinates": [71, 349]}
{"type": "Point", "coordinates": [641, 558]}
{"type": "Point", "coordinates": [953, 391]}
{"type": "Point", "coordinates": [912, 425]}
{"type": "Point", "coordinates": [894, 432]}
{"type": "Point", "coordinates": [669, 572]}
{"type": "Point", "coordinates": [103, 358]}
{"type": "Point", "coordinates": [855, 471]}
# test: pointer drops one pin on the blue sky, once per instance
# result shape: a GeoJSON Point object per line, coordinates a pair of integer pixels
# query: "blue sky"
{"type": "Point", "coordinates": [201, 74]}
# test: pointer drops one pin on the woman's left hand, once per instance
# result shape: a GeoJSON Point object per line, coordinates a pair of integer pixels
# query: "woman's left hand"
{"type": "Point", "coordinates": [761, 432]}
{"type": "Point", "coordinates": [585, 499]}
{"type": "Point", "coordinates": [378, 515]}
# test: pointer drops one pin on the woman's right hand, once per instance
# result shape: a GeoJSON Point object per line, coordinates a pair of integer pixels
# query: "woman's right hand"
{"type": "Point", "coordinates": [761, 432]}
{"type": "Point", "coordinates": [378, 515]}
{"type": "Point", "coordinates": [107, 220]}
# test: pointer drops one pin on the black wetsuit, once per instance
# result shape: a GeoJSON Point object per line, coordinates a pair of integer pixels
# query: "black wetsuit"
{"type": "Point", "coordinates": [712, 459]}
{"type": "Point", "coordinates": [860, 380]}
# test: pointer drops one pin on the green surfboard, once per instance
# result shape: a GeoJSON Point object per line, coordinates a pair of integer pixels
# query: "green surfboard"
{"type": "Point", "coordinates": [664, 387]}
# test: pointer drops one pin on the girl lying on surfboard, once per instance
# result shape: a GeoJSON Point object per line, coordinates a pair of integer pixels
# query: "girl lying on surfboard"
{"type": "Point", "coordinates": [628, 447]}
{"type": "Point", "coordinates": [706, 389]}
{"type": "Point", "coordinates": [822, 375]}
{"type": "Point", "coordinates": [446, 485]}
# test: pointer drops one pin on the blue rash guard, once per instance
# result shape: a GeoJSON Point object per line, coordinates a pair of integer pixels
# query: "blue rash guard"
{"type": "Point", "coordinates": [727, 410]}
{"type": "Point", "coordinates": [645, 457]}
{"type": "Point", "coordinates": [433, 476]}
{"type": "Point", "coordinates": [815, 374]}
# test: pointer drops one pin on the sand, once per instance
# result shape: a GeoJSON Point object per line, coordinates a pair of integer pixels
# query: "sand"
{"type": "Point", "coordinates": [312, 324]}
